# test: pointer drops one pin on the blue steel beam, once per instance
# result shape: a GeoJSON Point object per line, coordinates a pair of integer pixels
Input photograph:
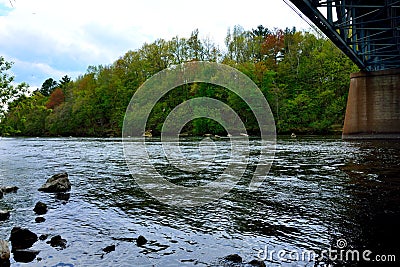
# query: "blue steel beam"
{"type": "Point", "coordinates": [307, 8]}
{"type": "Point", "coordinates": [367, 31]}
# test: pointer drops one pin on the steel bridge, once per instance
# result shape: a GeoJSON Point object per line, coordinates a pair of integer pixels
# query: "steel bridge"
{"type": "Point", "coordinates": [367, 31]}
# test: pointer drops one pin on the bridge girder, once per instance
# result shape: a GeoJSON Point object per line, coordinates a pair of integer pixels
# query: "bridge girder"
{"type": "Point", "coordinates": [367, 31]}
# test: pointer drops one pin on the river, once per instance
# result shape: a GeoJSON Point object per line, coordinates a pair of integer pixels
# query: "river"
{"type": "Point", "coordinates": [321, 193]}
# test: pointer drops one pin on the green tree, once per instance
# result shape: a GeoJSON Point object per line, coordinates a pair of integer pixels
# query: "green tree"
{"type": "Point", "coordinates": [8, 91]}
{"type": "Point", "coordinates": [304, 77]}
{"type": "Point", "coordinates": [313, 80]}
{"type": "Point", "coordinates": [240, 45]}
{"type": "Point", "coordinates": [64, 81]}
{"type": "Point", "coordinates": [48, 87]}
{"type": "Point", "coordinates": [26, 116]}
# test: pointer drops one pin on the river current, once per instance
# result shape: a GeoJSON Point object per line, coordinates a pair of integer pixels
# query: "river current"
{"type": "Point", "coordinates": [321, 194]}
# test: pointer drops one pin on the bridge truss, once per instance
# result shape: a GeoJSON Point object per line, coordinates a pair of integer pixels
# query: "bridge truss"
{"type": "Point", "coordinates": [367, 31]}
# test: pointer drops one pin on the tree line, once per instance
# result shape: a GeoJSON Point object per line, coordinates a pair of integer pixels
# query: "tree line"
{"type": "Point", "coordinates": [304, 77]}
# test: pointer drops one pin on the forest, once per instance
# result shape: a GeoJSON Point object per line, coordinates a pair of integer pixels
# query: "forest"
{"type": "Point", "coordinates": [304, 77]}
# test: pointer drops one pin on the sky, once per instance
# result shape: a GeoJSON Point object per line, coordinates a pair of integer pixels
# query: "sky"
{"type": "Point", "coordinates": [50, 39]}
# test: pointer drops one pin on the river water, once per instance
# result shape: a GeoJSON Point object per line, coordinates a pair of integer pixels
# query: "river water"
{"type": "Point", "coordinates": [321, 193]}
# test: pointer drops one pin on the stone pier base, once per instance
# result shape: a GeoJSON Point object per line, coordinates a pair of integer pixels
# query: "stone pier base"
{"type": "Point", "coordinates": [373, 106]}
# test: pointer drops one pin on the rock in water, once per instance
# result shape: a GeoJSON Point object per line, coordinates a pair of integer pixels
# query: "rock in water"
{"type": "Point", "coordinates": [234, 258]}
{"type": "Point", "coordinates": [40, 219]}
{"type": "Point", "coordinates": [109, 249]}
{"type": "Point", "coordinates": [57, 241]}
{"type": "Point", "coordinates": [1, 194]}
{"type": "Point", "coordinates": [257, 263]}
{"type": "Point", "coordinates": [63, 196]}
{"type": "Point", "coordinates": [40, 208]}
{"type": "Point", "coordinates": [25, 255]}
{"type": "Point", "coordinates": [57, 183]}
{"type": "Point", "coordinates": [43, 237]}
{"type": "Point", "coordinates": [141, 240]}
{"type": "Point", "coordinates": [9, 189]}
{"type": "Point", "coordinates": [4, 252]}
{"type": "Point", "coordinates": [4, 215]}
{"type": "Point", "coordinates": [22, 238]}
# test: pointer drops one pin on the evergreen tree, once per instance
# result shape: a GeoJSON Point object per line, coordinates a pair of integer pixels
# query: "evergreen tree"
{"type": "Point", "coordinates": [48, 87]}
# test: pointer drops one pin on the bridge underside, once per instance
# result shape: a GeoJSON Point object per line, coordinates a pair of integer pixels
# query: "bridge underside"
{"type": "Point", "coordinates": [368, 32]}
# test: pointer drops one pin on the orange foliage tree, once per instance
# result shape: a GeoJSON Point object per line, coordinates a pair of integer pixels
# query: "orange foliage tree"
{"type": "Point", "coordinates": [273, 45]}
{"type": "Point", "coordinates": [56, 98]}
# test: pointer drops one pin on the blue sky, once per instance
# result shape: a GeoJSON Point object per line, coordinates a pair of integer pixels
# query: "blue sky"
{"type": "Point", "coordinates": [47, 38]}
{"type": "Point", "coordinates": [4, 10]}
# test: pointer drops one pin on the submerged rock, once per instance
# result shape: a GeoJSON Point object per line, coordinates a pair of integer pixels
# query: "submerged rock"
{"type": "Point", "coordinates": [22, 238]}
{"type": "Point", "coordinates": [9, 189]}
{"type": "Point", "coordinates": [40, 219]}
{"type": "Point", "coordinates": [5, 263]}
{"type": "Point", "coordinates": [40, 208]}
{"type": "Point", "coordinates": [1, 194]}
{"type": "Point", "coordinates": [109, 249]}
{"type": "Point", "coordinates": [25, 255]}
{"type": "Point", "coordinates": [4, 215]}
{"type": "Point", "coordinates": [4, 252]}
{"type": "Point", "coordinates": [141, 240]}
{"type": "Point", "coordinates": [258, 263]}
{"type": "Point", "coordinates": [57, 241]}
{"type": "Point", "coordinates": [57, 183]}
{"type": "Point", "coordinates": [63, 196]}
{"type": "Point", "coordinates": [43, 237]}
{"type": "Point", "coordinates": [233, 258]}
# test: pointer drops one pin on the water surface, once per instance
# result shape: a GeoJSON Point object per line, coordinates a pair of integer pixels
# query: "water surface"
{"type": "Point", "coordinates": [319, 190]}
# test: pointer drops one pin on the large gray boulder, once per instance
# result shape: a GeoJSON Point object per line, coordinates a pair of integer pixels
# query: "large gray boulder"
{"type": "Point", "coordinates": [57, 183]}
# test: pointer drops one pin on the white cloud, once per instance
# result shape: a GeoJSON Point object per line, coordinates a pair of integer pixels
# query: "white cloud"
{"type": "Point", "coordinates": [65, 36]}
{"type": "Point", "coordinates": [37, 72]}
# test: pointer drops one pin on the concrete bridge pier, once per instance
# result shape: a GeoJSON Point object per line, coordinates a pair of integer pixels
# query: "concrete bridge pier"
{"type": "Point", "coordinates": [373, 106]}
